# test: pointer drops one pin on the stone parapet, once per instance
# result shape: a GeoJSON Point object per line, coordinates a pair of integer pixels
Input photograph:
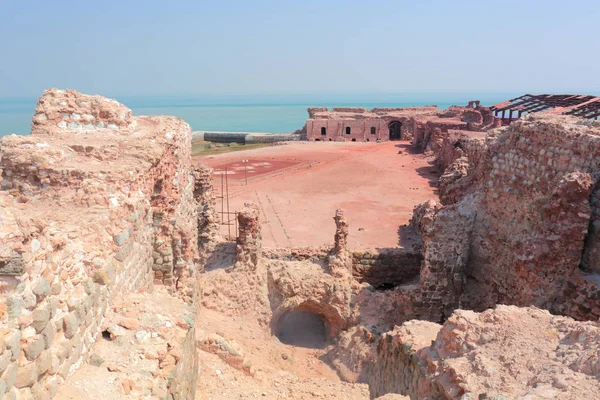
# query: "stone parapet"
{"type": "Point", "coordinates": [91, 213]}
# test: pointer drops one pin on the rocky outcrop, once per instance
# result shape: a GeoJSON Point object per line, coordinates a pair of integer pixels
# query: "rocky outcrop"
{"type": "Point", "coordinates": [504, 352]}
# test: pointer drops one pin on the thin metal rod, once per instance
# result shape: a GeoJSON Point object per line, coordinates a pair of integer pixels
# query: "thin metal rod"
{"type": "Point", "coordinates": [222, 201]}
{"type": "Point", "coordinates": [228, 215]}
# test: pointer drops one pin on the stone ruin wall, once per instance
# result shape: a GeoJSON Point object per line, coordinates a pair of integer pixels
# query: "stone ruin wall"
{"type": "Point", "coordinates": [85, 223]}
{"type": "Point", "coordinates": [397, 368]}
{"type": "Point", "coordinates": [463, 158]}
{"type": "Point", "coordinates": [504, 352]}
{"type": "Point", "coordinates": [116, 210]}
{"type": "Point", "coordinates": [430, 132]}
{"type": "Point", "coordinates": [360, 129]}
{"type": "Point", "coordinates": [427, 126]}
{"type": "Point", "coordinates": [518, 224]}
{"type": "Point", "coordinates": [535, 213]}
{"type": "Point", "coordinates": [591, 256]}
{"type": "Point", "coordinates": [531, 190]}
{"type": "Point", "coordinates": [386, 268]}
{"type": "Point", "coordinates": [68, 110]}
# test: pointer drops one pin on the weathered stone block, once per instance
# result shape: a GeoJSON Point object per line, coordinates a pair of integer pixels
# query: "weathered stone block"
{"type": "Point", "coordinates": [26, 376]}
{"type": "Point", "coordinates": [41, 316]}
{"type": "Point", "coordinates": [41, 288]}
{"type": "Point", "coordinates": [33, 349]}
{"type": "Point", "coordinates": [121, 238]}
{"type": "Point", "coordinates": [70, 325]}
{"type": "Point", "coordinates": [4, 360]}
{"type": "Point", "coordinates": [12, 266]}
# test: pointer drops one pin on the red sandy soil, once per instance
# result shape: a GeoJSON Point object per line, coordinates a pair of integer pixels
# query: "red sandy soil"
{"type": "Point", "coordinates": [298, 187]}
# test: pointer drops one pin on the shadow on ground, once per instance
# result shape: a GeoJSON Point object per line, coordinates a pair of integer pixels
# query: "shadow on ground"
{"type": "Point", "coordinates": [222, 257]}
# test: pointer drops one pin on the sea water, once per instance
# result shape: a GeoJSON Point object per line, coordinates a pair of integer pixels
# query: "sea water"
{"type": "Point", "coordinates": [267, 113]}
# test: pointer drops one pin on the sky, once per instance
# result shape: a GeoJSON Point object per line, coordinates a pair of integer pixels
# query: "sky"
{"type": "Point", "coordinates": [183, 47]}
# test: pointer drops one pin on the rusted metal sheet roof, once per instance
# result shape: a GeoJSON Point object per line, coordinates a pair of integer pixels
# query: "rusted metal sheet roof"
{"type": "Point", "coordinates": [584, 106]}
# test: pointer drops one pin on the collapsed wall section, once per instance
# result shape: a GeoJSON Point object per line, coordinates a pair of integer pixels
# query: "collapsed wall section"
{"type": "Point", "coordinates": [591, 254]}
{"type": "Point", "coordinates": [386, 269]}
{"type": "Point", "coordinates": [506, 351]}
{"type": "Point", "coordinates": [536, 211]}
{"type": "Point", "coordinates": [531, 189]}
{"type": "Point", "coordinates": [79, 207]}
{"type": "Point", "coordinates": [431, 131]}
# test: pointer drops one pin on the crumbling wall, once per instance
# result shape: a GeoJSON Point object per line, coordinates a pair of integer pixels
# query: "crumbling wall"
{"type": "Point", "coordinates": [174, 222]}
{"type": "Point", "coordinates": [531, 190]}
{"type": "Point", "coordinates": [536, 211]}
{"type": "Point", "coordinates": [397, 367]}
{"type": "Point", "coordinates": [591, 254]}
{"type": "Point", "coordinates": [208, 220]}
{"type": "Point", "coordinates": [446, 247]}
{"type": "Point", "coordinates": [79, 201]}
{"type": "Point", "coordinates": [503, 352]}
{"type": "Point", "coordinates": [323, 289]}
{"type": "Point", "coordinates": [431, 131]}
{"type": "Point", "coordinates": [249, 240]}
{"type": "Point", "coordinates": [463, 160]}
{"type": "Point", "coordinates": [385, 269]}
{"type": "Point", "coordinates": [64, 110]}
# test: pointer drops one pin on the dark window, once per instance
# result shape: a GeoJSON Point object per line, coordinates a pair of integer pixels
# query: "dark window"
{"type": "Point", "coordinates": [348, 130]}
{"type": "Point", "coordinates": [323, 131]}
{"type": "Point", "coordinates": [354, 139]}
{"type": "Point", "coordinates": [373, 130]}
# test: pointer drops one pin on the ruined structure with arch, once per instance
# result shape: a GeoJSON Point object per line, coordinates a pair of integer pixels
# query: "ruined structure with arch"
{"type": "Point", "coordinates": [382, 124]}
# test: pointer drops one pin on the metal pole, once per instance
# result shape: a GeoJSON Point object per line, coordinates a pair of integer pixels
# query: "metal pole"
{"type": "Point", "coordinates": [222, 201]}
{"type": "Point", "coordinates": [246, 171]}
{"type": "Point", "coordinates": [228, 215]}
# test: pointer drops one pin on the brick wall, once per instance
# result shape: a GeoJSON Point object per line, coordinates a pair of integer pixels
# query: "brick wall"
{"type": "Point", "coordinates": [386, 268]}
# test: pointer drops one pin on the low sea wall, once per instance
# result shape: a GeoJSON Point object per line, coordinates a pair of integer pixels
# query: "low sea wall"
{"type": "Point", "coordinates": [243, 137]}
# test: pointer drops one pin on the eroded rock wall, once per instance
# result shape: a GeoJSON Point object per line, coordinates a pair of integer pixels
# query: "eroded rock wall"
{"type": "Point", "coordinates": [532, 191]}
{"type": "Point", "coordinates": [81, 199]}
{"type": "Point", "coordinates": [536, 212]}
{"type": "Point", "coordinates": [68, 110]}
{"type": "Point", "coordinates": [503, 352]}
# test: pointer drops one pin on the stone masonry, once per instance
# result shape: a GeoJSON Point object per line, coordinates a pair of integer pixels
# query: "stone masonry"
{"type": "Point", "coordinates": [532, 237]}
{"type": "Point", "coordinates": [95, 204]}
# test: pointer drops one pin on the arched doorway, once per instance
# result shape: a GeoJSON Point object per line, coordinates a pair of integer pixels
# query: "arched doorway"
{"type": "Point", "coordinates": [302, 328]}
{"type": "Point", "coordinates": [395, 130]}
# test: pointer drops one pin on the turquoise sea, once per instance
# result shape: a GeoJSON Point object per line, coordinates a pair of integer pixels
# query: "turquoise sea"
{"type": "Point", "coordinates": [248, 113]}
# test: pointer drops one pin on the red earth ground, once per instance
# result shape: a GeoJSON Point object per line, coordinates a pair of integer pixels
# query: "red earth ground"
{"type": "Point", "coordinates": [299, 186]}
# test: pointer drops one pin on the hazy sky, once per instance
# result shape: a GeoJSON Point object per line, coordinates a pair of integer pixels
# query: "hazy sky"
{"type": "Point", "coordinates": [303, 46]}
